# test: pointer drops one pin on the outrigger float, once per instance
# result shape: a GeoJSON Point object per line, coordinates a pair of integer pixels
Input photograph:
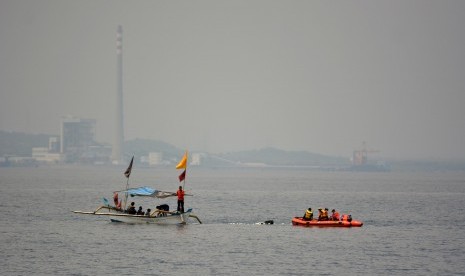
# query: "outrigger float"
{"type": "Point", "coordinates": [326, 223]}
{"type": "Point", "coordinates": [161, 214]}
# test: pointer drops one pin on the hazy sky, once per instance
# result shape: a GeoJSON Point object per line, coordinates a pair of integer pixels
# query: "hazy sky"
{"type": "Point", "coordinates": [220, 76]}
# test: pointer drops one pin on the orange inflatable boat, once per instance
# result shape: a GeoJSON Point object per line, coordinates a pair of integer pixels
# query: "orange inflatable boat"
{"type": "Point", "coordinates": [326, 223]}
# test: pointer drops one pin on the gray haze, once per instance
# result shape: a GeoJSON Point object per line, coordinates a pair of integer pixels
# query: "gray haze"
{"type": "Point", "coordinates": [220, 76]}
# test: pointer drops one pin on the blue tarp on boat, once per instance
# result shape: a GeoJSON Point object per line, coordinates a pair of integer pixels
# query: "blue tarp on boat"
{"type": "Point", "coordinates": [147, 191]}
{"type": "Point", "coordinates": [142, 191]}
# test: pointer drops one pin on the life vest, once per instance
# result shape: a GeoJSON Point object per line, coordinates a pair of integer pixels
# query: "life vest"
{"type": "Point", "coordinates": [347, 218]}
{"type": "Point", "coordinates": [180, 194]}
{"type": "Point", "coordinates": [324, 214]}
{"type": "Point", "coordinates": [308, 214]}
{"type": "Point", "coordinates": [335, 216]}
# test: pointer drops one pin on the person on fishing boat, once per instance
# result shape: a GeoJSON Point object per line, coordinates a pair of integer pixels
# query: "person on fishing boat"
{"type": "Point", "coordinates": [131, 210]}
{"type": "Point", "coordinates": [308, 214]}
{"type": "Point", "coordinates": [140, 212]}
{"type": "Point", "coordinates": [335, 215]}
{"type": "Point", "coordinates": [180, 194]}
{"type": "Point", "coordinates": [148, 212]}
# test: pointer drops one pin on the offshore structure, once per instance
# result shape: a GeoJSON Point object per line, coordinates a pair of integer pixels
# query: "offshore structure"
{"type": "Point", "coordinates": [118, 139]}
{"type": "Point", "coordinates": [360, 161]}
{"type": "Point", "coordinates": [360, 156]}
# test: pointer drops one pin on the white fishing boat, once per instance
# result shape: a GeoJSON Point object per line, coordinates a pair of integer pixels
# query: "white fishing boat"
{"type": "Point", "coordinates": [117, 216]}
{"type": "Point", "coordinates": [160, 214]}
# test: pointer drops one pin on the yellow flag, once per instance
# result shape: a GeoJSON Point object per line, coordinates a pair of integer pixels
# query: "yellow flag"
{"type": "Point", "coordinates": [183, 163]}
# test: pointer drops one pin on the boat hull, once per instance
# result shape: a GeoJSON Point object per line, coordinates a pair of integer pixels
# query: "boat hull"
{"type": "Point", "coordinates": [170, 219]}
{"type": "Point", "coordinates": [326, 223]}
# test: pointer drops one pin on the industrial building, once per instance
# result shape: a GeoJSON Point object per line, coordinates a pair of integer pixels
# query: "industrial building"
{"type": "Point", "coordinates": [78, 143]}
{"type": "Point", "coordinates": [76, 134]}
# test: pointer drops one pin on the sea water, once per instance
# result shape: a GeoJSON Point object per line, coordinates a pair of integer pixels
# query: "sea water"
{"type": "Point", "coordinates": [413, 223]}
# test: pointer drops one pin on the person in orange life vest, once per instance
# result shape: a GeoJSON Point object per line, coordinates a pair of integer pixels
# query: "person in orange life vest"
{"type": "Point", "coordinates": [323, 214]}
{"type": "Point", "coordinates": [320, 213]}
{"type": "Point", "coordinates": [347, 218]}
{"type": "Point", "coordinates": [335, 215]}
{"type": "Point", "coordinates": [308, 214]}
{"type": "Point", "coordinates": [180, 194]}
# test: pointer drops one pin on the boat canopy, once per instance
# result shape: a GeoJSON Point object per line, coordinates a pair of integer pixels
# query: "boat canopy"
{"type": "Point", "coordinates": [147, 191]}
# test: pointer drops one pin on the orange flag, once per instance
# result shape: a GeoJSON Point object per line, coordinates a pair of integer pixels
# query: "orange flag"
{"type": "Point", "coordinates": [183, 163]}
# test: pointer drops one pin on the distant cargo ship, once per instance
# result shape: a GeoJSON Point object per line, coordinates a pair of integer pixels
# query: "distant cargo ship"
{"type": "Point", "coordinates": [378, 167]}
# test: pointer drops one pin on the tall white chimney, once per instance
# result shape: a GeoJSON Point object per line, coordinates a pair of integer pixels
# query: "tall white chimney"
{"type": "Point", "coordinates": [117, 150]}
